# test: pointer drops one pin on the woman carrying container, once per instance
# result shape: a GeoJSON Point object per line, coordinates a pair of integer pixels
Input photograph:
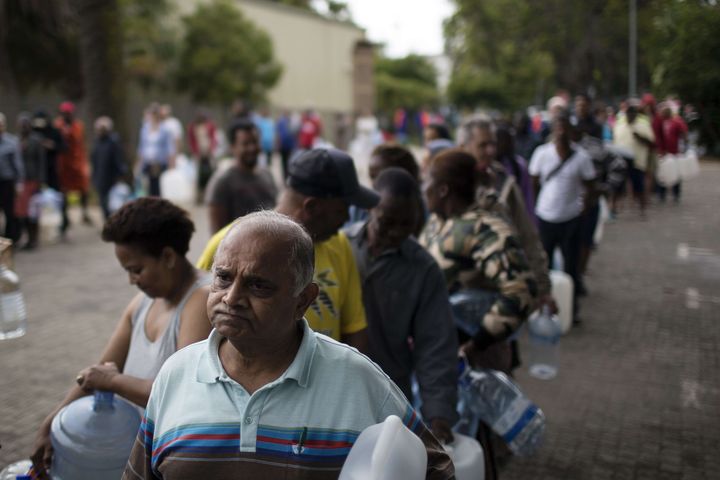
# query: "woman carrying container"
{"type": "Point", "coordinates": [151, 237]}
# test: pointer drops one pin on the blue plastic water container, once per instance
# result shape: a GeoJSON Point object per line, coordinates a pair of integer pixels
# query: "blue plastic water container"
{"type": "Point", "coordinates": [92, 438]}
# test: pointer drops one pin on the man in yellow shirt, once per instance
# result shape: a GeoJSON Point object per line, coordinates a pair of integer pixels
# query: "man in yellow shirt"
{"type": "Point", "coordinates": [321, 184]}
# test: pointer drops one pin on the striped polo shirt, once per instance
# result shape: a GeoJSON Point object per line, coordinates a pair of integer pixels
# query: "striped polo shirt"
{"type": "Point", "coordinates": [199, 423]}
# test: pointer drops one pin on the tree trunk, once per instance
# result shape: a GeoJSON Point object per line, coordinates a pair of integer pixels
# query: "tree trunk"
{"type": "Point", "coordinates": [101, 41]}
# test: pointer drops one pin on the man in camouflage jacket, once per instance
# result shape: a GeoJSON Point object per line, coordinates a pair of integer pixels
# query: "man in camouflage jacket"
{"type": "Point", "coordinates": [477, 249]}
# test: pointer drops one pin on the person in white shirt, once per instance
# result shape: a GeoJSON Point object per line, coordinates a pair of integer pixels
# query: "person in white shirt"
{"type": "Point", "coordinates": [562, 174]}
{"type": "Point", "coordinates": [173, 125]}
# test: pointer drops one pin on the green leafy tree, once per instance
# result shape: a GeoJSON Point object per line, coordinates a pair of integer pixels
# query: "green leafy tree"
{"type": "Point", "coordinates": [687, 60]}
{"type": "Point", "coordinates": [408, 82]}
{"type": "Point", "coordinates": [34, 33]}
{"type": "Point", "coordinates": [149, 42]}
{"type": "Point", "coordinates": [224, 56]}
{"type": "Point", "coordinates": [511, 53]}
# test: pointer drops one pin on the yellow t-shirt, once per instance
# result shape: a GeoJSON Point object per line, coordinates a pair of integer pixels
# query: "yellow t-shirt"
{"type": "Point", "coordinates": [338, 309]}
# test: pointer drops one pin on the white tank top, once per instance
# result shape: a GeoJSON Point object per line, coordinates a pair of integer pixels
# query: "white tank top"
{"type": "Point", "coordinates": [144, 357]}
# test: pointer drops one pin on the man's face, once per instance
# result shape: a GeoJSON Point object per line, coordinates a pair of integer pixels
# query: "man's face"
{"type": "Point", "coordinates": [67, 116]}
{"type": "Point", "coordinates": [561, 129]}
{"type": "Point", "coordinates": [324, 217]}
{"type": "Point", "coordinates": [246, 148]}
{"type": "Point", "coordinates": [631, 114]}
{"type": "Point", "coordinates": [482, 146]}
{"type": "Point", "coordinates": [252, 298]}
{"type": "Point", "coordinates": [392, 221]}
{"type": "Point", "coordinates": [429, 134]}
{"type": "Point", "coordinates": [582, 107]}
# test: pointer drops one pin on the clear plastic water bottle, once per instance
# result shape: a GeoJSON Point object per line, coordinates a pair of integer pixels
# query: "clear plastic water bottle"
{"type": "Point", "coordinates": [498, 402]}
{"type": "Point", "coordinates": [17, 471]}
{"type": "Point", "coordinates": [544, 330]}
{"type": "Point", "coordinates": [469, 306]}
{"type": "Point", "coordinates": [13, 319]}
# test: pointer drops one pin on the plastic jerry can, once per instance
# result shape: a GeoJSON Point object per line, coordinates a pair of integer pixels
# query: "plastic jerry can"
{"type": "Point", "coordinates": [562, 292]}
{"type": "Point", "coordinates": [467, 456]}
{"type": "Point", "coordinates": [386, 451]}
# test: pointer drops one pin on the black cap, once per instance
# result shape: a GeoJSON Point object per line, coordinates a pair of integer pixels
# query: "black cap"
{"type": "Point", "coordinates": [329, 173]}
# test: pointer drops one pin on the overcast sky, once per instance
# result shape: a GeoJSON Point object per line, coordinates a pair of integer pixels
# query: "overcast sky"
{"type": "Point", "coordinates": [405, 26]}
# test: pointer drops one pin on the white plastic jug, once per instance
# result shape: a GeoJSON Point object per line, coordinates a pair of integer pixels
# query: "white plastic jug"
{"type": "Point", "coordinates": [467, 456]}
{"type": "Point", "coordinates": [176, 187]}
{"type": "Point", "coordinates": [92, 438]}
{"type": "Point", "coordinates": [562, 292]}
{"type": "Point", "coordinates": [688, 165]}
{"type": "Point", "coordinates": [386, 451]}
{"type": "Point", "coordinates": [668, 170]}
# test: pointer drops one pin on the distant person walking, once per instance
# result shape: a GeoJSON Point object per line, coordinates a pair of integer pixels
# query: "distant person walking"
{"type": "Point", "coordinates": [310, 130]}
{"type": "Point", "coordinates": [634, 132]}
{"type": "Point", "coordinates": [563, 176]}
{"type": "Point", "coordinates": [173, 125]}
{"type": "Point", "coordinates": [285, 140]}
{"type": "Point", "coordinates": [674, 130]}
{"type": "Point", "coordinates": [73, 168]}
{"type": "Point", "coordinates": [156, 149]}
{"type": "Point", "coordinates": [11, 177]}
{"type": "Point", "coordinates": [108, 161]}
{"type": "Point", "coordinates": [202, 142]}
{"type": "Point", "coordinates": [33, 156]}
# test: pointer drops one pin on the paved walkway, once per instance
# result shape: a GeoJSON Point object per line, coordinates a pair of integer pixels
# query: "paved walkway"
{"type": "Point", "coordinates": [638, 392]}
{"type": "Point", "coordinates": [637, 397]}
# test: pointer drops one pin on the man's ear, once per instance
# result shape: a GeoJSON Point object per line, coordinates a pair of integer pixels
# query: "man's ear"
{"type": "Point", "coordinates": [310, 206]}
{"type": "Point", "coordinates": [305, 299]}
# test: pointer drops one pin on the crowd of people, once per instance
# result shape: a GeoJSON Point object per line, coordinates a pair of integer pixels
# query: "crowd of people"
{"type": "Point", "coordinates": [294, 274]}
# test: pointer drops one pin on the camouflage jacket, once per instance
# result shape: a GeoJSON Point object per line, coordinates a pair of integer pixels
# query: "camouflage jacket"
{"type": "Point", "coordinates": [506, 199]}
{"type": "Point", "coordinates": [479, 249]}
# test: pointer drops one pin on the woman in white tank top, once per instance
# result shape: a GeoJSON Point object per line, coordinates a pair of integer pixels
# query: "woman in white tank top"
{"type": "Point", "coordinates": [151, 237]}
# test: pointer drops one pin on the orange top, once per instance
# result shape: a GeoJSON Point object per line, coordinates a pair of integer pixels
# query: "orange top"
{"type": "Point", "coordinates": [73, 168]}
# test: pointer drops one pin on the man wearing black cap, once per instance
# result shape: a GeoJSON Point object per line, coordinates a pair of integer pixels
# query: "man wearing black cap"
{"type": "Point", "coordinates": [321, 184]}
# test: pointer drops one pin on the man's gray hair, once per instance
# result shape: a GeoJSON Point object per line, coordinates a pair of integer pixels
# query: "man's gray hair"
{"type": "Point", "coordinates": [301, 254]}
{"type": "Point", "coordinates": [467, 129]}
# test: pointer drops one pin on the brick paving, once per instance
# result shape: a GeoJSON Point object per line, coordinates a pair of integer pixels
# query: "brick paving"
{"type": "Point", "coordinates": [638, 391]}
{"type": "Point", "coordinates": [637, 396]}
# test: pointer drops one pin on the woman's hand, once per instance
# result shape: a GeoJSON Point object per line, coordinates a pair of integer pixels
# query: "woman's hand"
{"type": "Point", "coordinates": [42, 452]}
{"type": "Point", "coordinates": [97, 377]}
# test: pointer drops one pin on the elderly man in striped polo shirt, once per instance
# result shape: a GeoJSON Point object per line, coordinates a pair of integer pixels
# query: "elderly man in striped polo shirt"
{"type": "Point", "coordinates": [264, 396]}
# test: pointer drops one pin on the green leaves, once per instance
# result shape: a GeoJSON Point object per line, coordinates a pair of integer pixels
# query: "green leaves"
{"type": "Point", "coordinates": [408, 82]}
{"type": "Point", "coordinates": [224, 56]}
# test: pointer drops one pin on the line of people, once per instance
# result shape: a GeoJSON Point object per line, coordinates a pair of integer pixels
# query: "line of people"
{"type": "Point", "coordinates": [462, 220]}
{"type": "Point", "coordinates": [46, 154]}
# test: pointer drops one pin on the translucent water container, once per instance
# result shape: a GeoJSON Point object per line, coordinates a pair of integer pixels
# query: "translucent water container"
{"type": "Point", "coordinates": [499, 403]}
{"type": "Point", "coordinates": [562, 292]}
{"type": "Point", "coordinates": [92, 438]}
{"type": "Point", "coordinates": [386, 451]}
{"type": "Point", "coordinates": [544, 331]}
{"type": "Point", "coordinates": [469, 306]}
{"type": "Point", "coordinates": [13, 318]}
{"type": "Point", "coordinates": [17, 471]}
{"type": "Point", "coordinates": [467, 456]}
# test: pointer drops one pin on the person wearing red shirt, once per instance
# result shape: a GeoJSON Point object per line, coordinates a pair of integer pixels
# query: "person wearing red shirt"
{"type": "Point", "coordinates": [310, 129]}
{"type": "Point", "coordinates": [673, 129]}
